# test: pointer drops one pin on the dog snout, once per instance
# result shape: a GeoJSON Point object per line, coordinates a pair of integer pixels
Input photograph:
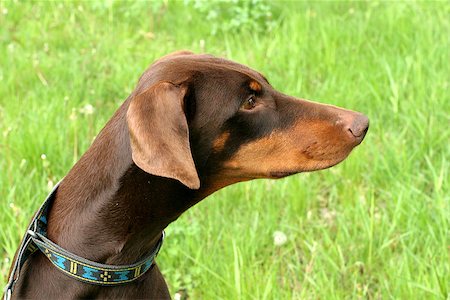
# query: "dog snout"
{"type": "Point", "coordinates": [356, 127]}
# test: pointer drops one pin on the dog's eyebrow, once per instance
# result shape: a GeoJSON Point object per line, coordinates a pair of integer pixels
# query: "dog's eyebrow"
{"type": "Point", "coordinates": [255, 86]}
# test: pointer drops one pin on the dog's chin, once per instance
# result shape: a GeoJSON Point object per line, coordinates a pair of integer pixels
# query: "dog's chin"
{"type": "Point", "coordinates": [281, 174]}
{"type": "Point", "coordinates": [311, 167]}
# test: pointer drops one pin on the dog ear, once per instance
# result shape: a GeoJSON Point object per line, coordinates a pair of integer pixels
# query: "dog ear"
{"type": "Point", "coordinates": [159, 133]}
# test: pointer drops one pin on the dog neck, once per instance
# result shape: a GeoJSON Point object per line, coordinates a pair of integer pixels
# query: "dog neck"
{"type": "Point", "coordinates": [110, 211]}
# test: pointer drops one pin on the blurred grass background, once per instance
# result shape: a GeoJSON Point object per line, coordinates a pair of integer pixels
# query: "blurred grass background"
{"type": "Point", "coordinates": [376, 226]}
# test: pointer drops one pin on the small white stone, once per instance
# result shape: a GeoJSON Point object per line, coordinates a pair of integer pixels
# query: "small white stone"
{"type": "Point", "coordinates": [88, 109]}
{"type": "Point", "coordinates": [279, 238]}
{"type": "Point", "coordinates": [177, 296]}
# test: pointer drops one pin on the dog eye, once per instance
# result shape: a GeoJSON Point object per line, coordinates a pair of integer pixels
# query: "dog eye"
{"type": "Point", "coordinates": [250, 103]}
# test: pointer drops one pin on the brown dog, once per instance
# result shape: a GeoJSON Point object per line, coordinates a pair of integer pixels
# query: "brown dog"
{"type": "Point", "coordinates": [194, 124]}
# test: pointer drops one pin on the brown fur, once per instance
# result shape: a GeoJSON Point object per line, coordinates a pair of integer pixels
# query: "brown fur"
{"type": "Point", "coordinates": [182, 134]}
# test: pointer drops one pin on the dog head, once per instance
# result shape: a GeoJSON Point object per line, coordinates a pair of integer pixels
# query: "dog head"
{"type": "Point", "coordinates": [199, 118]}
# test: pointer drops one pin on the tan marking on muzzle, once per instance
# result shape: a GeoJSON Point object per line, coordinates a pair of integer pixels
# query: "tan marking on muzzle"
{"type": "Point", "coordinates": [306, 146]}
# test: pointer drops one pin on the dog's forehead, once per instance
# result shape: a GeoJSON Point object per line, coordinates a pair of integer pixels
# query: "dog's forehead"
{"type": "Point", "coordinates": [223, 65]}
{"type": "Point", "coordinates": [187, 64]}
{"type": "Point", "coordinates": [184, 67]}
{"type": "Point", "coordinates": [199, 61]}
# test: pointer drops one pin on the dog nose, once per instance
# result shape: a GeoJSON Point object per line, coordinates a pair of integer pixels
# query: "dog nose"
{"type": "Point", "coordinates": [357, 127]}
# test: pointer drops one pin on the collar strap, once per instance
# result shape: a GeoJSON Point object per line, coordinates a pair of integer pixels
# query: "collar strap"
{"type": "Point", "coordinates": [90, 271]}
{"type": "Point", "coordinates": [70, 264]}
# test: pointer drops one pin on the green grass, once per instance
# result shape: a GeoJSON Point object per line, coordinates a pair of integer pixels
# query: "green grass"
{"type": "Point", "coordinates": [376, 226]}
